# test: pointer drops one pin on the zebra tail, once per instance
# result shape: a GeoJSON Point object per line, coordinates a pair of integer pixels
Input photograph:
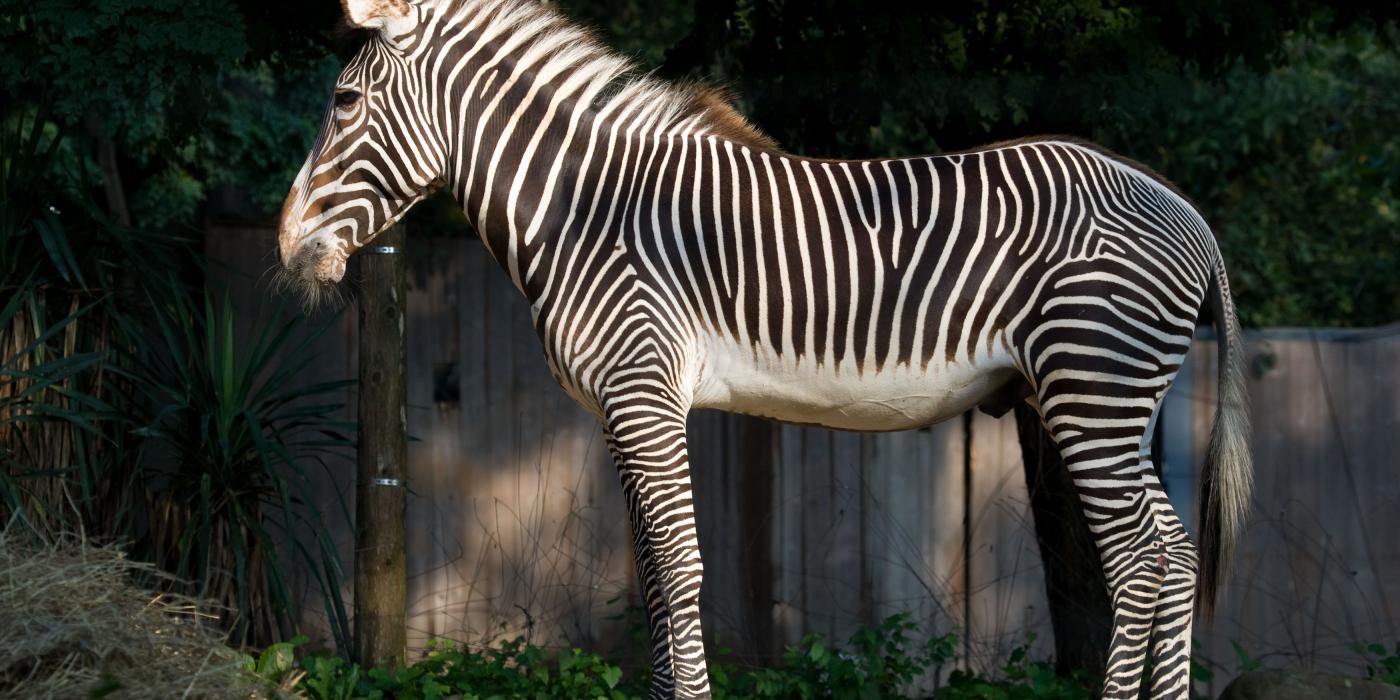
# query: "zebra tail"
{"type": "Point", "coordinates": [1228, 476]}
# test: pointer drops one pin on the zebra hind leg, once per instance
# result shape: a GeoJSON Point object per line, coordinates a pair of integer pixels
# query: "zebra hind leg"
{"type": "Point", "coordinates": [1098, 408]}
{"type": "Point", "coordinates": [1149, 563]}
{"type": "Point", "coordinates": [648, 443]}
{"type": "Point", "coordinates": [1170, 644]}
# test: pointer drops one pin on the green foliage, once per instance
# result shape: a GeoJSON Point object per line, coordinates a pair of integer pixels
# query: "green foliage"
{"type": "Point", "coordinates": [1382, 665]}
{"type": "Point", "coordinates": [35, 387]}
{"type": "Point", "coordinates": [58, 256]}
{"type": "Point", "coordinates": [25, 153]}
{"type": "Point", "coordinates": [1275, 118]}
{"type": "Point", "coordinates": [130, 61]}
{"type": "Point", "coordinates": [199, 453]}
{"type": "Point", "coordinates": [1024, 680]}
{"type": "Point", "coordinates": [1298, 170]}
{"type": "Point", "coordinates": [175, 86]}
{"type": "Point", "coordinates": [263, 126]}
{"type": "Point", "coordinates": [132, 409]}
{"type": "Point", "coordinates": [854, 80]}
{"type": "Point", "coordinates": [642, 30]}
{"type": "Point", "coordinates": [51, 231]}
{"type": "Point", "coordinates": [511, 669]}
{"type": "Point", "coordinates": [878, 662]}
{"type": "Point", "coordinates": [884, 661]}
{"type": "Point", "coordinates": [237, 437]}
{"type": "Point", "coordinates": [133, 71]}
{"type": "Point", "coordinates": [811, 669]}
{"type": "Point", "coordinates": [277, 662]}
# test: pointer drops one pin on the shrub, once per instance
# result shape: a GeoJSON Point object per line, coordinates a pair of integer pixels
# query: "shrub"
{"type": "Point", "coordinates": [884, 661]}
{"type": "Point", "coordinates": [1380, 665]}
{"type": "Point", "coordinates": [512, 669]}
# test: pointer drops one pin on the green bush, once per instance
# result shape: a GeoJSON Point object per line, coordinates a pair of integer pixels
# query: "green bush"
{"type": "Point", "coordinates": [240, 436]}
{"type": "Point", "coordinates": [1380, 665]}
{"type": "Point", "coordinates": [878, 662]}
{"type": "Point", "coordinates": [513, 669]}
{"type": "Point", "coordinates": [884, 661]}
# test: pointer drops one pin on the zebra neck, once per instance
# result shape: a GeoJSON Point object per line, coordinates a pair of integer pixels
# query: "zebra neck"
{"type": "Point", "coordinates": [519, 154]}
{"type": "Point", "coordinates": [549, 174]}
{"type": "Point", "coordinates": [532, 108]}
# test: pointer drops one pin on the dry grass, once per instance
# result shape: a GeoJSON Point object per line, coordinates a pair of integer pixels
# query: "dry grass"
{"type": "Point", "coordinates": [73, 625]}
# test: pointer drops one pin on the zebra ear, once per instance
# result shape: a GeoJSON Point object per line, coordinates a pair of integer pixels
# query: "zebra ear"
{"type": "Point", "coordinates": [393, 16]}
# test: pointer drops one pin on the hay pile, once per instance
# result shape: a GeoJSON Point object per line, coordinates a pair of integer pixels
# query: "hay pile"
{"type": "Point", "coordinates": [72, 625]}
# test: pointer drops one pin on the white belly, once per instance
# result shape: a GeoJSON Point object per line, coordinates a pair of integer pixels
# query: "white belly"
{"type": "Point", "coordinates": [838, 396]}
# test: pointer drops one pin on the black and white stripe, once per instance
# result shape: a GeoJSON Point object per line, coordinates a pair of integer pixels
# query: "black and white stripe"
{"type": "Point", "coordinates": [675, 258]}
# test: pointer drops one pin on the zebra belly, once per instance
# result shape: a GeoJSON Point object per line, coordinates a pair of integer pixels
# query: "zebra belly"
{"type": "Point", "coordinates": [840, 396]}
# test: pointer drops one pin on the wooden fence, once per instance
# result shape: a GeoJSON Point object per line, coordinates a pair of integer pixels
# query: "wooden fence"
{"type": "Point", "coordinates": [516, 521]}
{"type": "Point", "coordinates": [1318, 570]}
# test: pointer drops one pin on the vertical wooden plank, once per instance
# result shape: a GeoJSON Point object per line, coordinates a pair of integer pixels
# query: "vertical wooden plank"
{"type": "Point", "coordinates": [496, 470]}
{"type": "Point", "coordinates": [911, 516]}
{"type": "Point", "coordinates": [1371, 429]}
{"type": "Point", "coordinates": [756, 453]}
{"type": "Point", "coordinates": [419, 311]}
{"type": "Point", "coordinates": [472, 575]}
{"type": "Point", "coordinates": [814, 519]}
{"type": "Point", "coordinates": [447, 444]}
{"type": "Point", "coordinates": [1352, 368]}
{"type": "Point", "coordinates": [433, 426]}
{"type": "Point", "coordinates": [787, 538]}
{"type": "Point", "coordinates": [710, 474]}
{"type": "Point", "coordinates": [845, 549]}
{"type": "Point", "coordinates": [1008, 583]}
{"type": "Point", "coordinates": [733, 468]}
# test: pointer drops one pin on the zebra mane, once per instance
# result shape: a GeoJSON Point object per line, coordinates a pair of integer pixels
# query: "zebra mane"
{"type": "Point", "coordinates": [571, 48]}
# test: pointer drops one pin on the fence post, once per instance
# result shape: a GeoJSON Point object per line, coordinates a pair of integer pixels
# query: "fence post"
{"type": "Point", "coordinates": [381, 588]}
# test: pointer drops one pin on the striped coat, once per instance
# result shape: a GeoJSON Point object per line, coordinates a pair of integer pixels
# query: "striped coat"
{"type": "Point", "coordinates": [673, 257]}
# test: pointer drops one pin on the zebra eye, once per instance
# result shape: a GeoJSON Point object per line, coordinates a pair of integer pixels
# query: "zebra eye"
{"type": "Point", "coordinates": [346, 98]}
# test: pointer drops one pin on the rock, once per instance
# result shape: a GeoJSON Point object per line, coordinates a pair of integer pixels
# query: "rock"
{"type": "Point", "coordinates": [1306, 685]}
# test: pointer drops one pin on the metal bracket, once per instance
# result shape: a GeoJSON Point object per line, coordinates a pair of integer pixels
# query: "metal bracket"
{"type": "Point", "coordinates": [396, 483]}
{"type": "Point", "coordinates": [383, 249]}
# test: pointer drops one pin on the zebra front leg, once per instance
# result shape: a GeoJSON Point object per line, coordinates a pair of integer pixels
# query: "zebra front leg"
{"type": "Point", "coordinates": [648, 443]}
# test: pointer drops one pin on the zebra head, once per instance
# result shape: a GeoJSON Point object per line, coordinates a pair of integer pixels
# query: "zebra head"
{"type": "Point", "coordinates": [376, 154]}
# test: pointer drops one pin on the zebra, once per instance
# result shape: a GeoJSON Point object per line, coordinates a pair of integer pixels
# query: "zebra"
{"type": "Point", "coordinates": [674, 257]}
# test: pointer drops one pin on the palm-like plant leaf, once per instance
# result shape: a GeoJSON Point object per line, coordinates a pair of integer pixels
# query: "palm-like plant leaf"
{"type": "Point", "coordinates": [240, 431]}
